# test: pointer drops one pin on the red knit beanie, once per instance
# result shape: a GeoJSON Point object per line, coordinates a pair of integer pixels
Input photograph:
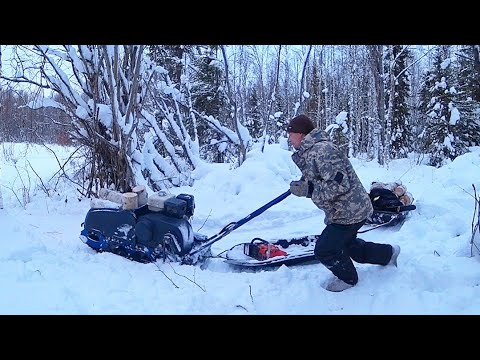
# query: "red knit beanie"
{"type": "Point", "coordinates": [300, 124]}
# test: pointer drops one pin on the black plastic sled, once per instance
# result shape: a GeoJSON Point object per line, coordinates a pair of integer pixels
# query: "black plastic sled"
{"type": "Point", "coordinates": [262, 253]}
{"type": "Point", "coordinates": [389, 211]}
{"type": "Point", "coordinates": [299, 250]}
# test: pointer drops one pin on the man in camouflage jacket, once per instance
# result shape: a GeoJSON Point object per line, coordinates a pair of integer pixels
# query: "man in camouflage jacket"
{"type": "Point", "coordinates": [328, 178]}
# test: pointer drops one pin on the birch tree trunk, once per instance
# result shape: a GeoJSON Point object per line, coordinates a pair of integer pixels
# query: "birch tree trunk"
{"type": "Point", "coordinates": [299, 107]}
{"type": "Point", "coordinates": [321, 84]}
{"type": "Point", "coordinates": [391, 103]}
{"type": "Point", "coordinates": [242, 150]}
{"type": "Point", "coordinates": [376, 63]}
{"type": "Point", "coordinates": [271, 98]}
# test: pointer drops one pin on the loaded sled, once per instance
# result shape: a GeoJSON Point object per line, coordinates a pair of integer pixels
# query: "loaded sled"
{"type": "Point", "coordinates": [391, 206]}
{"type": "Point", "coordinates": [161, 230]}
{"type": "Point", "coordinates": [146, 233]}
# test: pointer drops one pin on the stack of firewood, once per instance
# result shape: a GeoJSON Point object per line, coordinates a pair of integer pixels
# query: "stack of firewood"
{"type": "Point", "coordinates": [117, 200]}
{"type": "Point", "coordinates": [398, 188]}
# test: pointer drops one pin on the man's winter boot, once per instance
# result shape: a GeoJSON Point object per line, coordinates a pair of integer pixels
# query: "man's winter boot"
{"type": "Point", "coordinates": [337, 285]}
{"type": "Point", "coordinates": [395, 253]}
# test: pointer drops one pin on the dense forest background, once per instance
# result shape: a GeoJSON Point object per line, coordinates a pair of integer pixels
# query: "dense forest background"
{"type": "Point", "coordinates": [152, 114]}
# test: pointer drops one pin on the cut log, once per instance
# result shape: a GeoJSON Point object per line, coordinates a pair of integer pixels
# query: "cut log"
{"type": "Point", "coordinates": [111, 195]}
{"type": "Point", "coordinates": [130, 201]}
{"type": "Point", "coordinates": [400, 190]}
{"type": "Point", "coordinates": [142, 194]}
{"type": "Point", "coordinates": [102, 204]}
{"type": "Point", "coordinates": [157, 200]}
{"type": "Point", "coordinates": [377, 185]}
{"type": "Point", "coordinates": [406, 198]}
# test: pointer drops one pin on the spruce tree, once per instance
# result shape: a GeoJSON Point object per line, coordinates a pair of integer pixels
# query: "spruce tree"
{"type": "Point", "coordinates": [441, 133]}
{"type": "Point", "coordinates": [254, 116]}
{"type": "Point", "coordinates": [208, 97]}
{"type": "Point", "coordinates": [401, 138]}
{"type": "Point", "coordinates": [468, 96]}
{"type": "Point", "coordinates": [469, 72]}
{"type": "Point", "coordinates": [280, 114]}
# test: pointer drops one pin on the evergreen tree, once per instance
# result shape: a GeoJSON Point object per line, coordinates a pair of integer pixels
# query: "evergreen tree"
{"type": "Point", "coordinates": [427, 82]}
{"type": "Point", "coordinates": [281, 115]}
{"type": "Point", "coordinates": [208, 98]}
{"type": "Point", "coordinates": [207, 79]}
{"type": "Point", "coordinates": [401, 138]}
{"type": "Point", "coordinates": [467, 96]}
{"type": "Point", "coordinates": [469, 72]}
{"type": "Point", "coordinates": [441, 134]}
{"type": "Point", "coordinates": [469, 121]}
{"type": "Point", "coordinates": [171, 57]}
{"type": "Point", "coordinates": [339, 130]}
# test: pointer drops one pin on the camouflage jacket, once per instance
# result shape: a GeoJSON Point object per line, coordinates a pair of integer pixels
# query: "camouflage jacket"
{"type": "Point", "coordinates": [337, 190]}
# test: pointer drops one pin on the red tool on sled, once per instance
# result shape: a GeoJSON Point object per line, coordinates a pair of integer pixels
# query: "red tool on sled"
{"type": "Point", "coordinates": [262, 250]}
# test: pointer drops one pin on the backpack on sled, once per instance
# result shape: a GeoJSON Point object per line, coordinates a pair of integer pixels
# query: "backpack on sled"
{"type": "Point", "coordinates": [391, 203]}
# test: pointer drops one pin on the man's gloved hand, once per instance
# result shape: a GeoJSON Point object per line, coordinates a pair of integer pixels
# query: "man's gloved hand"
{"type": "Point", "coordinates": [301, 188]}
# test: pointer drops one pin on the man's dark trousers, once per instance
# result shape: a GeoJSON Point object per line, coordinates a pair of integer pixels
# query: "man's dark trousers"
{"type": "Point", "coordinates": [338, 245]}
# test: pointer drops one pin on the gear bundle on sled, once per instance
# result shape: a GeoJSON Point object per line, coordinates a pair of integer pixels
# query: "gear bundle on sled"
{"type": "Point", "coordinates": [391, 203]}
{"type": "Point", "coordinates": [161, 229]}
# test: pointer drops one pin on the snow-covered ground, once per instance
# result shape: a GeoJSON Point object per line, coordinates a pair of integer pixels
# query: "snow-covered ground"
{"type": "Point", "coordinates": [46, 269]}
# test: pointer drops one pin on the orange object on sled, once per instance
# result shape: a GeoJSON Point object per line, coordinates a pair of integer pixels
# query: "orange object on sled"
{"type": "Point", "coordinates": [263, 251]}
